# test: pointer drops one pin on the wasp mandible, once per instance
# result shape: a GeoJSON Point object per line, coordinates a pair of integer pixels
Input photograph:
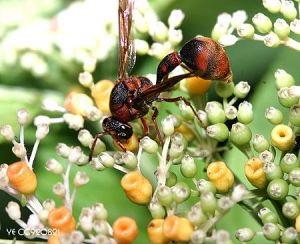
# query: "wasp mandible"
{"type": "Point", "coordinates": [133, 96]}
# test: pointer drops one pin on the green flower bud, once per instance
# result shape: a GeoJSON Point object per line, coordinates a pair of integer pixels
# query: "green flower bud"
{"type": "Point", "coordinates": [106, 160]}
{"type": "Point", "coordinates": [283, 79]}
{"type": "Point", "coordinates": [96, 164]}
{"type": "Point", "coordinates": [176, 150]}
{"type": "Point", "coordinates": [270, 218]}
{"type": "Point", "coordinates": [181, 192]}
{"type": "Point", "coordinates": [85, 137]}
{"type": "Point", "coordinates": [160, 32]}
{"type": "Point", "coordinates": [281, 28]}
{"type": "Point", "coordinates": [196, 216]}
{"type": "Point", "coordinates": [218, 31]}
{"type": "Point", "coordinates": [272, 40]}
{"type": "Point", "coordinates": [288, 10]}
{"type": "Point", "coordinates": [129, 159]}
{"type": "Point", "coordinates": [188, 167]}
{"type": "Point", "coordinates": [285, 99]}
{"type": "Point", "coordinates": [289, 235]}
{"type": "Point", "coordinates": [271, 231]}
{"type": "Point", "coordinates": [245, 113]}
{"type": "Point", "coordinates": [241, 89]}
{"type": "Point", "coordinates": [246, 31]}
{"type": "Point", "coordinates": [244, 234]}
{"type": "Point", "coordinates": [178, 138]}
{"type": "Point", "coordinates": [215, 114]}
{"type": "Point", "coordinates": [240, 134]}
{"type": "Point", "coordinates": [141, 46]}
{"type": "Point", "coordinates": [99, 147]}
{"type": "Point", "coordinates": [260, 143]}
{"type": "Point", "coordinates": [230, 112]}
{"type": "Point", "coordinates": [224, 204]}
{"type": "Point", "coordinates": [274, 115]}
{"type": "Point", "coordinates": [205, 186]}
{"type": "Point", "coordinates": [273, 171]}
{"type": "Point", "coordinates": [278, 189]}
{"type": "Point", "coordinates": [198, 236]}
{"type": "Point", "coordinates": [262, 23]}
{"type": "Point", "coordinates": [165, 196]}
{"type": "Point", "coordinates": [294, 115]}
{"type": "Point", "coordinates": [263, 212]}
{"type": "Point", "coordinates": [289, 162]}
{"type": "Point", "coordinates": [218, 131]}
{"type": "Point", "coordinates": [272, 6]}
{"type": "Point", "coordinates": [208, 203]}
{"type": "Point", "coordinates": [224, 89]}
{"type": "Point", "coordinates": [290, 210]}
{"type": "Point", "coordinates": [157, 211]}
{"type": "Point", "coordinates": [294, 177]}
{"type": "Point", "coordinates": [168, 126]}
{"type": "Point", "coordinates": [186, 111]}
{"type": "Point", "coordinates": [149, 145]}
{"type": "Point", "coordinates": [171, 179]}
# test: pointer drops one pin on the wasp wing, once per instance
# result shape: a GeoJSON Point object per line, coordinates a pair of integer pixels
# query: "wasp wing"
{"type": "Point", "coordinates": [126, 47]}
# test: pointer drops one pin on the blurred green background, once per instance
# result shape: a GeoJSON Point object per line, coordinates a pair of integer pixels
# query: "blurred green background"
{"type": "Point", "coordinates": [251, 61]}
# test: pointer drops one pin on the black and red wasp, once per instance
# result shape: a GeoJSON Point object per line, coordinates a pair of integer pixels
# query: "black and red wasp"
{"type": "Point", "coordinates": [133, 96]}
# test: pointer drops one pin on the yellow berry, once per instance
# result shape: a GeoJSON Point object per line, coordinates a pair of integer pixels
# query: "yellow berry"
{"type": "Point", "coordinates": [282, 137]}
{"type": "Point", "coordinates": [132, 144]}
{"type": "Point", "coordinates": [197, 86]}
{"type": "Point", "coordinates": [76, 103]}
{"type": "Point", "coordinates": [155, 232]}
{"type": "Point", "coordinates": [186, 132]}
{"type": "Point", "coordinates": [125, 230]}
{"type": "Point", "coordinates": [101, 93]}
{"type": "Point", "coordinates": [255, 173]}
{"type": "Point", "coordinates": [22, 178]}
{"type": "Point", "coordinates": [136, 187]}
{"type": "Point", "coordinates": [220, 176]}
{"type": "Point", "coordinates": [177, 229]}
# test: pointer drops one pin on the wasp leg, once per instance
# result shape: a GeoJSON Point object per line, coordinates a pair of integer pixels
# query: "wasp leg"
{"type": "Point", "coordinates": [187, 102]}
{"type": "Point", "coordinates": [146, 129]}
{"type": "Point", "coordinates": [154, 117]}
{"type": "Point", "coordinates": [97, 136]}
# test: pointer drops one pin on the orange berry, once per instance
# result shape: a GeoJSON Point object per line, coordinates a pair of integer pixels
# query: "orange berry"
{"type": "Point", "coordinates": [125, 230]}
{"type": "Point", "coordinates": [297, 224]}
{"type": "Point", "coordinates": [186, 132]}
{"type": "Point", "coordinates": [220, 176]}
{"type": "Point", "coordinates": [155, 232]}
{"type": "Point", "coordinates": [22, 178]}
{"type": "Point", "coordinates": [283, 137]}
{"type": "Point", "coordinates": [54, 239]}
{"type": "Point", "coordinates": [197, 85]}
{"type": "Point", "coordinates": [254, 171]}
{"type": "Point", "coordinates": [177, 229]}
{"type": "Point", "coordinates": [136, 187]}
{"type": "Point", "coordinates": [132, 144]}
{"type": "Point", "coordinates": [61, 219]}
{"type": "Point", "coordinates": [101, 93]}
{"type": "Point", "coordinates": [76, 103]}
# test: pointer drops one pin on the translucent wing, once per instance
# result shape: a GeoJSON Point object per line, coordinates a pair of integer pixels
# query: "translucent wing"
{"type": "Point", "coordinates": [126, 47]}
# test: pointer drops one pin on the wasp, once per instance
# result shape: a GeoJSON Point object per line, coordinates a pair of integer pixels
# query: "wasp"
{"type": "Point", "coordinates": [133, 96]}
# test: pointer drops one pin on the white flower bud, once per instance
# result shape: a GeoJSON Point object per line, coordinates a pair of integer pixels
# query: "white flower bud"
{"type": "Point", "coordinates": [230, 112]}
{"type": "Point", "coordinates": [224, 19]}
{"type": "Point", "coordinates": [89, 65]}
{"type": "Point", "coordinates": [158, 50]}
{"type": "Point", "coordinates": [106, 160]}
{"type": "Point", "coordinates": [149, 145]}
{"type": "Point", "coordinates": [99, 147]}
{"type": "Point", "coordinates": [3, 176]}
{"type": "Point", "coordinates": [175, 19]}
{"type": "Point", "coordinates": [100, 211]}
{"type": "Point", "coordinates": [59, 189]}
{"type": "Point", "coordinates": [86, 219]}
{"type": "Point", "coordinates": [34, 222]}
{"type": "Point", "coordinates": [75, 154]}
{"type": "Point", "coordinates": [294, 91]}
{"type": "Point", "coordinates": [271, 40]}
{"type": "Point", "coordinates": [63, 150]}
{"type": "Point", "coordinates": [245, 112]}
{"type": "Point", "coordinates": [228, 40]}
{"type": "Point", "coordinates": [101, 227]}
{"type": "Point", "coordinates": [42, 131]}
{"type": "Point", "coordinates": [140, 22]}
{"type": "Point", "coordinates": [175, 36]}
{"type": "Point", "coordinates": [129, 159]}
{"type": "Point", "coordinates": [92, 113]}
{"type": "Point", "coordinates": [262, 23]}
{"type": "Point", "coordinates": [43, 215]}
{"type": "Point", "coordinates": [96, 164]}
{"type": "Point", "coordinates": [218, 31]}
{"type": "Point", "coordinates": [85, 137]}
{"type": "Point", "coordinates": [7, 132]}
{"type": "Point", "coordinates": [238, 18]}
{"type": "Point", "coordinates": [81, 179]}
{"type": "Point", "coordinates": [13, 210]}
{"type": "Point", "coordinates": [160, 33]}
{"type": "Point", "coordinates": [49, 204]}
{"type": "Point", "coordinates": [283, 79]}
{"type": "Point", "coordinates": [295, 26]}
{"type": "Point", "coordinates": [141, 46]}
{"type": "Point", "coordinates": [42, 120]}
{"type": "Point", "coordinates": [239, 192]}
{"type": "Point", "coordinates": [74, 121]}
{"type": "Point", "coordinates": [274, 115]}
{"type": "Point", "coordinates": [86, 79]}
{"type": "Point", "coordinates": [168, 126]}
{"type": "Point", "coordinates": [266, 156]}
{"type": "Point", "coordinates": [203, 117]}
{"type": "Point", "coordinates": [246, 31]}
{"type": "Point", "coordinates": [77, 237]}
{"type": "Point", "coordinates": [272, 6]}
{"type": "Point", "coordinates": [83, 160]}
{"type": "Point", "coordinates": [222, 236]}
{"type": "Point", "coordinates": [241, 89]}
{"type": "Point", "coordinates": [244, 234]}
{"type": "Point", "coordinates": [23, 116]}
{"type": "Point", "coordinates": [142, 6]}
{"type": "Point", "coordinates": [288, 10]}
{"type": "Point", "coordinates": [19, 150]}
{"type": "Point", "coordinates": [54, 166]}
